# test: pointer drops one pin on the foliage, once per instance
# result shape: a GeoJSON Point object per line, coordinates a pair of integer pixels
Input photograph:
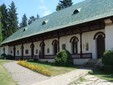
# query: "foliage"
{"type": "Point", "coordinates": [24, 21]}
{"type": "Point", "coordinates": [32, 19]}
{"type": "Point", "coordinates": [40, 69]}
{"type": "Point", "coordinates": [10, 57]}
{"type": "Point", "coordinates": [3, 56]}
{"type": "Point", "coordinates": [107, 59]}
{"type": "Point", "coordinates": [4, 20]}
{"type": "Point", "coordinates": [63, 4]}
{"type": "Point", "coordinates": [9, 20]}
{"type": "Point", "coordinates": [1, 37]}
{"type": "Point", "coordinates": [64, 58]}
{"type": "Point", "coordinates": [13, 20]}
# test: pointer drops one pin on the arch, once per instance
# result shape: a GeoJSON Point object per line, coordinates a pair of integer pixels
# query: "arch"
{"type": "Point", "coordinates": [42, 50]}
{"type": "Point", "coordinates": [42, 44]}
{"type": "Point", "coordinates": [54, 42]}
{"type": "Point", "coordinates": [97, 34]}
{"type": "Point", "coordinates": [32, 49]}
{"type": "Point", "coordinates": [74, 44]}
{"type": "Point", "coordinates": [74, 38]}
{"type": "Point", "coordinates": [55, 46]}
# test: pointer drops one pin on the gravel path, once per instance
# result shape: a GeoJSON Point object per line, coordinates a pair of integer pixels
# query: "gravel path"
{"type": "Point", "coordinates": [91, 80]}
{"type": "Point", "coordinates": [22, 75]}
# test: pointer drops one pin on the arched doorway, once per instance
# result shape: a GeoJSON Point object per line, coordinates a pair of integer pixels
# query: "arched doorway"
{"type": "Point", "coordinates": [42, 50]}
{"type": "Point", "coordinates": [55, 46]}
{"type": "Point", "coordinates": [100, 44]}
{"type": "Point", "coordinates": [32, 50]}
{"type": "Point", "coordinates": [22, 51]}
{"type": "Point", "coordinates": [74, 44]}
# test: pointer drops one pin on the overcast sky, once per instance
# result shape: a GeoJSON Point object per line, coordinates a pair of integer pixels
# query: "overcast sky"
{"type": "Point", "coordinates": [34, 7]}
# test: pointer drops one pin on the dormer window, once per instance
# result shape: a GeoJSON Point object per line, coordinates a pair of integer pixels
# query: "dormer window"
{"type": "Point", "coordinates": [45, 22]}
{"type": "Point", "coordinates": [76, 11]}
{"type": "Point", "coordinates": [24, 29]}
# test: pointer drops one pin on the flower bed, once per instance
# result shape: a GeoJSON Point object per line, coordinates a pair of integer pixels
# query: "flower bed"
{"type": "Point", "coordinates": [39, 69]}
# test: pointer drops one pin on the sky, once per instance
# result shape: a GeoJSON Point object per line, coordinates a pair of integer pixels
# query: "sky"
{"type": "Point", "coordinates": [34, 7]}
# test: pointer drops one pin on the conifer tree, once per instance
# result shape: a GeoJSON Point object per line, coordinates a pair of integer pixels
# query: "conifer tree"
{"type": "Point", "coordinates": [24, 21]}
{"type": "Point", "coordinates": [63, 4]}
{"type": "Point", "coordinates": [4, 20]}
{"type": "Point", "coordinates": [13, 20]}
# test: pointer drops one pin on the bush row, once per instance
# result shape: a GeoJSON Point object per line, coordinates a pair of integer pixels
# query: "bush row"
{"type": "Point", "coordinates": [39, 69]}
{"type": "Point", "coordinates": [4, 56]}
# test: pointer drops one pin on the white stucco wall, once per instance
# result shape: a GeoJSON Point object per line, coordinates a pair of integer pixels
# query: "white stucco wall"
{"type": "Point", "coordinates": [18, 48]}
{"type": "Point", "coordinates": [87, 37]}
{"type": "Point", "coordinates": [109, 37]}
{"type": "Point", "coordinates": [66, 40]}
{"type": "Point", "coordinates": [48, 45]}
{"type": "Point", "coordinates": [37, 47]}
{"type": "Point", "coordinates": [11, 50]}
{"type": "Point", "coordinates": [27, 47]}
{"type": "Point", "coordinates": [6, 50]}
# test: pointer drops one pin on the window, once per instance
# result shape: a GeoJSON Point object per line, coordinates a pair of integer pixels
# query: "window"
{"type": "Point", "coordinates": [48, 50]}
{"type": "Point", "coordinates": [45, 22]}
{"type": "Point", "coordinates": [4, 50]}
{"type": "Point", "coordinates": [76, 11]}
{"type": "Point", "coordinates": [87, 46]}
{"type": "Point", "coordinates": [74, 47]}
{"type": "Point", "coordinates": [17, 52]}
{"type": "Point", "coordinates": [36, 51]}
{"type": "Point", "coordinates": [74, 44]}
{"type": "Point", "coordinates": [63, 46]}
{"type": "Point", "coordinates": [27, 51]}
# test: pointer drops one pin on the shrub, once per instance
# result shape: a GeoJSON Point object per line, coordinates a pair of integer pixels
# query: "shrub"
{"type": "Point", "coordinates": [64, 58]}
{"type": "Point", "coordinates": [3, 56]}
{"type": "Point", "coordinates": [39, 69]}
{"type": "Point", "coordinates": [10, 57]}
{"type": "Point", "coordinates": [107, 59]}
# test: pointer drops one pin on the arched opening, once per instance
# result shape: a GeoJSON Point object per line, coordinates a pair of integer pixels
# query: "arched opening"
{"type": "Point", "coordinates": [74, 45]}
{"type": "Point", "coordinates": [42, 50]}
{"type": "Point", "coordinates": [55, 46]}
{"type": "Point", "coordinates": [100, 44]}
{"type": "Point", "coordinates": [32, 50]}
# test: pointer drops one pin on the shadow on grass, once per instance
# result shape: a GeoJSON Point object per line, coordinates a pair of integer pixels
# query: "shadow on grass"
{"type": "Point", "coordinates": [102, 74]}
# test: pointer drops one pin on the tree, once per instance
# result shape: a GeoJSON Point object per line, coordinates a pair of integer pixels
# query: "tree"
{"type": "Point", "coordinates": [1, 37]}
{"type": "Point", "coordinates": [32, 19]}
{"type": "Point", "coordinates": [13, 20]}
{"type": "Point", "coordinates": [4, 20]}
{"type": "Point", "coordinates": [24, 21]}
{"type": "Point", "coordinates": [63, 4]}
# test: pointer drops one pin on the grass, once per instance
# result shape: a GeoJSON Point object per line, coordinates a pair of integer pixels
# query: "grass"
{"type": "Point", "coordinates": [5, 77]}
{"type": "Point", "coordinates": [103, 75]}
{"type": "Point", "coordinates": [55, 70]}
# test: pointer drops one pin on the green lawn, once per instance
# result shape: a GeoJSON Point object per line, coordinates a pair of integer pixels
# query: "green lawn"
{"type": "Point", "coordinates": [102, 75]}
{"type": "Point", "coordinates": [5, 77]}
{"type": "Point", "coordinates": [55, 70]}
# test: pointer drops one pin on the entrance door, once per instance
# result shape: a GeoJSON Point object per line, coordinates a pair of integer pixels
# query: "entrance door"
{"type": "Point", "coordinates": [100, 46]}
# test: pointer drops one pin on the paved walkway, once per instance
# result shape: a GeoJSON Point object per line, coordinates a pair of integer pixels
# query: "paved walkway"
{"type": "Point", "coordinates": [25, 76]}
{"type": "Point", "coordinates": [64, 79]}
{"type": "Point", "coordinates": [22, 75]}
{"type": "Point", "coordinates": [91, 80]}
